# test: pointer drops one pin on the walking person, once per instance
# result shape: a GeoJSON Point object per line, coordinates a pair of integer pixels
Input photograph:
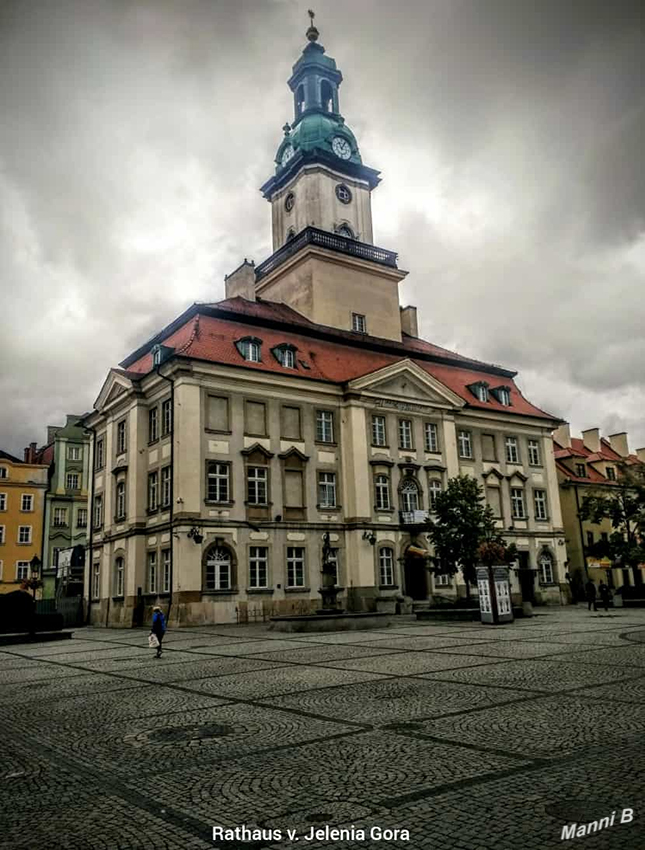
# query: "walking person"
{"type": "Point", "coordinates": [590, 589]}
{"type": "Point", "coordinates": [158, 627]}
{"type": "Point", "coordinates": [603, 590]}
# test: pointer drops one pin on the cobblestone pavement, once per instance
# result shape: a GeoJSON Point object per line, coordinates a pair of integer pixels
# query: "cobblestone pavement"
{"type": "Point", "coordinates": [466, 736]}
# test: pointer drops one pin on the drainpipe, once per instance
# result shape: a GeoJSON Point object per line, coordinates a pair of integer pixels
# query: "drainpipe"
{"type": "Point", "coordinates": [90, 520]}
{"type": "Point", "coordinates": [172, 482]}
{"type": "Point", "coordinates": [582, 540]}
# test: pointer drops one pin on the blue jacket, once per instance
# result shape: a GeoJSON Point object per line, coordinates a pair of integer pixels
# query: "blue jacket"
{"type": "Point", "coordinates": [158, 623]}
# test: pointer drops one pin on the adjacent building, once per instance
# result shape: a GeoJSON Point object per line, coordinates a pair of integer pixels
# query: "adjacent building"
{"type": "Point", "coordinates": [305, 411]}
{"type": "Point", "coordinates": [590, 465]}
{"type": "Point", "coordinates": [22, 507]}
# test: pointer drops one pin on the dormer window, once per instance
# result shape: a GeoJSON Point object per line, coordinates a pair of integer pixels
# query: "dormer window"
{"type": "Point", "coordinates": [479, 390]}
{"type": "Point", "coordinates": [611, 473]}
{"type": "Point", "coordinates": [503, 395]}
{"type": "Point", "coordinates": [285, 355]}
{"type": "Point", "coordinates": [250, 349]}
{"type": "Point", "coordinates": [581, 470]}
{"type": "Point", "coordinates": [156, 356]}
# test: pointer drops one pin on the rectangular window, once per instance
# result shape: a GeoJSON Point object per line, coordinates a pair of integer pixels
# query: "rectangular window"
{"type": "Point", "coordinates": [434, 488]}
{"type": "Point", "coordinates": [493, 499]}
{"type": "Point", "coordinates": [256, 485]}
{"type": "Point", "coordinates": [96, 580]}
{"type": "Point", "coordinates": [81, 518]}
{"type": "Point", "coordinates": [358, 323]}
{"type": "Point", "coordinates": [291, 425]}
{"type": "Point", "coordinates": [3, 501]}
{"type": "Point", "coordinates": [431, 437]}
{"type": "Point", "coordinates": [166, 417]}
{"type": "Point", "coordinates": [611, 473]}
{"type": "Point", "coordinates": [153, 491]}
{"type": "Point", "coordinates": [293, 490]}
{"type": "Point", "coordinates": [26, 502]}
{"type": "Point", "coordinates": [512, 450]}
{"type": "Point", "coordinates": [405, 434]}
{"type": "Point", "coordinates": [74, 453]}
{"type": "Point", "coordinates": [327, 489]}
{"type": "Point", "coordinates": [489, 449]}
{"type": "Point", "coordinates": [539, 500]}
{"type": "Point", "coordinates": [165, 570]}
{"type": "Point", "coordinates": [98, 511]}
{"type": "Point", "coordinates": [581, 470]}
{"type": "Point", "coordinates": [153, 424]}
{"type": "Point", "coordinates": [258, 566]}
{"type": "Point", "coordinates": [590, 540]}
{"type": "Point", "coordinates": [379, 434]}
{"type": "Point", "coordinates": [24, 534]}
{"type": "Point", "coordinates": [100, 454]}
{"type": "Point", "coordinates": [72, 481]}
{"type": "Point", "coordinates": [120, 500]}
{"type": "Point", "coordinates": [218, 482]}
{"type": "Point", "coordinates": [546, 569]}
{"type": "Point", "coordinates": [166, 487]}
{"type": "Point", "coordinates": [22, 570]}
{"type": "Point", "coordinates": [386, 566]}
{"type": "Point", "coordinates": [217, 413]}
{"type": "Point", "coordinates": [465, 442]}
{"type": "Point", "coordinates": [152, 572]}
{"type": "Point", "coordinates": [442, 580]}
{"type": "Point", "coordinates": [324, 426]}
{"type": "Point", "coordinates": [534, 452]}
{"type": "Point", "coordinates": [218, 570]}
{"type": "Point", "coordinates": [121, 439]}
{"type": "Point", "coordinates": [255, 418]}
{"type": "Point", "coordinates": [295, 566]}
{"type": "Point", "coordinates": [119, 572]}
{"type": "Point", "coordinates": [3, 472]}
{"type": "Point", "coordinates": [517, 503]}
{"type": "Point", "coordinates": [382, 493]}
{"type": "Point", "coordinates": [2, 534]}
{"type": "Point", "coordinates": [60, 517]}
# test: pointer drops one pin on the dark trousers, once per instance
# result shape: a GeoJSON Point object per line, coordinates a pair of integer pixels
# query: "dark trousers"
{"type": "Point", "coordinates": [592, 602]}
{"type": "Point", "coordinates": [605, 603]}
{"type": "Point", "coordinates": [160, 639]}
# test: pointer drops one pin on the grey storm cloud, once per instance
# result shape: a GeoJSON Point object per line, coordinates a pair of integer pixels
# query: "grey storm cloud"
{"type": "Point", "coordinates": [134, 137]}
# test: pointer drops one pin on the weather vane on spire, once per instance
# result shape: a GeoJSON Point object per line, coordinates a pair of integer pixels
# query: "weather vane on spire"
{"type": "Point", "coordinates": [312, 32]}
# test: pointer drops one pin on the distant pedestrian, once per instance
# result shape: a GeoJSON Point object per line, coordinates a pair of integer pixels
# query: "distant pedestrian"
{"type": "Point", "coordinates": [590, 590]}
{"type": "Point", "coordinates": [605, 595]}
{"type": "Point", "coordinates": [158, 627]}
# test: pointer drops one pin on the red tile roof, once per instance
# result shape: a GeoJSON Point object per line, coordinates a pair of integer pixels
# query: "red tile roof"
{"type": "Point", "coordinates": [209, 333]}
{"type": "Point", "coordinates": [579, 450]}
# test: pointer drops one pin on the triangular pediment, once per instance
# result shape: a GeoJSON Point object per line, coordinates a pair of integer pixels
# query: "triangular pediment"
{"type": "Point", "coordinates": [406, 382]}
{"type": "Point", "coordinates": [115, 386]}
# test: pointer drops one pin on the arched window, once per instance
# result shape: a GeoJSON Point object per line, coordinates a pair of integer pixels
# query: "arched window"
{"type": "Point", "coordinates": [409, 495]}
{"type": "Point", "coordinates": [346, 231]}
{"type": "Point", "coordinates": [218, 569]}
{"type": "Point", "coordinates": [119, 576]}
{"type": "Point", "coordinates": [546, 568]}
{"type": "Point", "coordinates": [300, 100]}
{"type": "Point", "coordinates": [434, 488]}
{"type": "Point", "coordinates": [326, 96]}
{"type": "Point", "coordinates": [386, 566]}
{"type": "Point", "coordinates": [250, 349]}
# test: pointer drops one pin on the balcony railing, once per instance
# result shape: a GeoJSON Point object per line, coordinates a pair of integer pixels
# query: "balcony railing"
{"type": "Point", "coordinates": [331, 241]}
{"type": "Point", "coordinates": [413, 517]}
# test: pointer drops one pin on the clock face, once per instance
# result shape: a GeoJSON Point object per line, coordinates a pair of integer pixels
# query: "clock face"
{"type": "Point", "coordinates": [287, 153]}
{"type": "Point", "coordinates": [341, 147]}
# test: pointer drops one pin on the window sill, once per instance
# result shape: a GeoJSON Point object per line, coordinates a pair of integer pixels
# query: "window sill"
{"type": "Point", "coordinates": [324, 443]}
{"type": "Point", "coordinates": [297, 590]}
{"type": "Point", "coordinates": [257, 436]}
{"type": "Point", "coordinates": [260, 505]}
{"type": "Point", "coordinates": [267, 591]}
{"type": "Point", "coordinates": [153, 442]}
{"type": "Point", "coordinates": [152, 511]}
{"type": "Point", "coordinates": [380, 445]}
{"type": "Point", "coordinates": [329, 507]}
{"type": "Point", "coordinates": [216, 431]}
{"type": "Point", "coordinates": [118, 598]}
{"type": "Point", "coordinates": [388, 587]}
{"type": "Point", "coordinates": [214, 504]}
{"type": "Point", "coordinates": [228, 592]}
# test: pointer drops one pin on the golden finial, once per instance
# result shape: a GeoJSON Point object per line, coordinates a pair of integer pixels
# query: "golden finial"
{"type": "Point", "coordinates": [312, 32]}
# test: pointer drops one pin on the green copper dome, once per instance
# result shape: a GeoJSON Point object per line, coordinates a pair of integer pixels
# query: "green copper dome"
{"type": "Point", "coordinates": [317, 131]}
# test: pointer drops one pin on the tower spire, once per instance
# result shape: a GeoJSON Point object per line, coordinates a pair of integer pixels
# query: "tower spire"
{"type": "Point", "coordinates": [312, 32]}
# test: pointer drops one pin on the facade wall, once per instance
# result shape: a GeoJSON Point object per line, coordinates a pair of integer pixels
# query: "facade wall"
{"type": "Point", "coordinates": [20, 479]}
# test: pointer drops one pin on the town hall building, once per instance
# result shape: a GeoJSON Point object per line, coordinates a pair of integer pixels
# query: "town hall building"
{"type": "Point", "coordinates": [304, 411]}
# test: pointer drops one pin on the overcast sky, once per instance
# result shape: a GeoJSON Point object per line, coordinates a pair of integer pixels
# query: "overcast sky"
{"type": "Point", "coordinates": [509, 133]}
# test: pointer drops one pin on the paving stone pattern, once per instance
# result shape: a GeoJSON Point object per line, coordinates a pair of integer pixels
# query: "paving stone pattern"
{"type": "Point", "coordinates": [468, 736]}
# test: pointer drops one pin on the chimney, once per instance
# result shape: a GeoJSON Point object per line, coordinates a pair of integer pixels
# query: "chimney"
{"type": "Point", "coordinates": [241, 282]}
{"type": "Point", "coordinates": [640, 454]}
{"type": "Point", "coordinates": [591, 439]}
{"type": "Point", "coordinates": [618, 442]}
{"type": "Point", "coordinates": [409, 323]}
{"type": "Point", "coordinates": [30, 453]}
{"type": "Point", "coordinates": [562, 436]}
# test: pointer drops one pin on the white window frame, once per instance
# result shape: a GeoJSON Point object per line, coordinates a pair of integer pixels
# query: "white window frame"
{"type": "Point", "coordinates": [166, 486]}
{"type": "Point", "coordinates": [258, 565]}
{"type": "Point", "coordinates": [296, 566]}
{"type": "Point", "coordinates": [540, 505]}
{"type": "Point", "coordinates": [435, 486]}
{"type": "Point", "coordinates": [409, 488]}
{"type": "Point", "coordinates": [382, 500]}
{"type": "Point", "coordinates": [121, 437]}
{"type": "Point", "coordinates": [23, 509]}
{"type": "Point", "coordinates": [82, 514]}
{"type": "Point", "coordinates": [22, 567]}
{"type": "Point", "coordinates": [99, 460]}
{"type": "Point", "coordinates": [97, 519]}
{"type": "Point", "coordinates": [288, 358]}
{"type": "Point", "coordinates": [379, 430]}
{"type": "Point", "coordinates": [166, 417]}
{"type": "Point", "coordinates": [153, 424]}
{"type": "Point", "coordinates": [218, 484]}
{"type": "Point", "coordinates": [70, 478]}
{"type": "Point", "coordinates": [74, 453]}
{"type": "Point", "coordinates": [504, 396]}
{"type": "Point", "coordinates": [60, 518]}
{"type": "Point", "coordinates": [431, 437]}
{"type": "Point", "coordinates": [222, 569]}
{"type": "Point", "coordinates": [324, 426]}
{"type": "Point", "coordinates": [465, 443]}
{"type": "Point", "coordinates": [512, 450]}
{"type": "Point", "coordinates": [359, 323]}
{"type": "Point", "coordinates": [546, 567]}
{"type": "Point", "coordinates": [153, 490]}
{"type": "Point", "coordinates": [165, 570]}
{"type": "Point", "coordinates": [442, 580]}
{"type": "Point", "coordinates": [27, 532]}
{"type": "Point", "coordinates": [119, 576]}
{"type": "Point", "coordinates": [96, 580]}
{"type": "Point", "coordinates": [152, 574]}
{"type": "Point", "coordinates": [406, 431]}
{"type": "Point", "coordinates": [257, 485]}
{"type": "Point", "coordinates": [386, 566]}
{"type": "Point", "coordinates": [120, 501]}
{"type": "Point", "coordinates": [534, 453]}
{"type": "Point", "coordinates": [327, 490]}
{"type": "Point", "coordinates": [518, 500]}
{"type": "Point", "coordinates": [252, 351]}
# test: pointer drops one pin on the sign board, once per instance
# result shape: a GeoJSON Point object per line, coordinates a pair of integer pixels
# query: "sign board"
{"type": "Point", "coordinates": [64, 563]}
{"type": "Point", "coordinates": [497, 608]}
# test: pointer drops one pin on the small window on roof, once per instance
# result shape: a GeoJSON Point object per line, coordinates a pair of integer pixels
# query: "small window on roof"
{"type": "Point", "coordinates": [503, 395]}
{"type": "Point", "coordinates": [285, 354]}
{"type": "Point", "coordinates": [479, 390]}
{"type": "Point", "coordinates": [611, 473]}
{"type": "Point", "coordinates": [250, 348]}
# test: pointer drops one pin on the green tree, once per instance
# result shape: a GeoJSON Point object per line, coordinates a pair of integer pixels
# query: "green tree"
{"type": "Point", "coordinates": [624, 506]}
{"type": "Point", "coordinates": [462, 523]}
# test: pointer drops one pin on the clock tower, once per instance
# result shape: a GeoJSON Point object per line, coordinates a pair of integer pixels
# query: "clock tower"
{"type": "Point", "coordinates": [320, 180]}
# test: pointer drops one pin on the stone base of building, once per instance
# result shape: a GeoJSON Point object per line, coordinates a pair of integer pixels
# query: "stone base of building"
{"type": "Point", "coordinates": [330, 622]}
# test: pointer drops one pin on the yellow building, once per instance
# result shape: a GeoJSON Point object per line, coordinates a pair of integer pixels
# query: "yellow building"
{"type": "Point", "coordinates": [22, 507]}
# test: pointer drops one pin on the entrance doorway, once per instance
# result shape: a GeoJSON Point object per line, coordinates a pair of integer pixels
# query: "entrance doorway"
{"type": "Point", "coordinates": [416, 576]}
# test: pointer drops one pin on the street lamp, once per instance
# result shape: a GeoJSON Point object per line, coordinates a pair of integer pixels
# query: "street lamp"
{"type": "Point", "coordinates": [35, 565]}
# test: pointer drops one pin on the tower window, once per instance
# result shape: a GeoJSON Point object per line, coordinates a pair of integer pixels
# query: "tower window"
{"type": "Point", "coordinates": [358, 323]}
{"type": "Point", "coordinates": [300, 100]}
{"type": "Point", "coordinates": [289, 202]}
{"type": "Point", "coordinates": [327, 96]}
{"type": "Point", "coordinates": [346, 231]}
{"type": "Point", "coordinates": [343, 193]}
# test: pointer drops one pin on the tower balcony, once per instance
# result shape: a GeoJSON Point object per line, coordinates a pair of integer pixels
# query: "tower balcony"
{"type": "Point", "coordinates": [329, 241]}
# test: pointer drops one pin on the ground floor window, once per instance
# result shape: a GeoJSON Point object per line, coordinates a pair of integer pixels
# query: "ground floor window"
{"type": "Point", "coordinates": [442, 580]}
{"type": "Point", "coordinates": [258, 571]}
{"type": "Point", "coordinates": [165, 571]}
{"type": "Point", "coordinates": [152, 572]}
{"type": "Point", "coordinates": [119, 573]}
{"type": "Point", "coordinates": [386, 566]}
{"type": "Point", "coordinates": [218, 569]}
{"type": "Point", "coordinates": [96, 580]}
{"type": "Point", "coordinates": [546, 568]}
{"type": "Point", "coordinates": [295, 566]}
{"type": "Point", "coordinates": [22, 570]}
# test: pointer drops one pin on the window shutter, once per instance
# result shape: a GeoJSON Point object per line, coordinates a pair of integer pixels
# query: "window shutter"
{"type": "Point", "coordinates": [255, 417]}
{"type": "Point", "coordinates": [293, 488]}
{"type": "Point", "coordinates": [217, 413]}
